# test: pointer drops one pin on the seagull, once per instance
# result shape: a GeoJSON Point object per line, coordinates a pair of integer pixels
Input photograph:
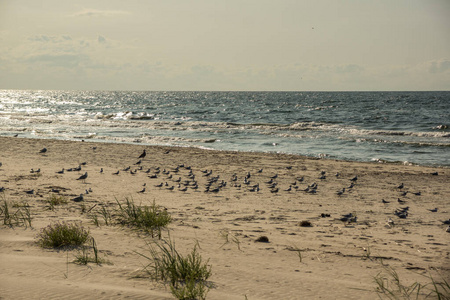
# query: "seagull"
{"type": "Point", "coordinates": [101, 170]}
{"type": "Point", "coordinates": [339, 193]}
{"type": "Point", "coordinates": [400, 201]}
{"type": "Point", "coordinates": [401, 186]}
{"type": "Point", "coordinates": [116, 173]}
{"type": "Point", "coordinates": [159, 185]}
{"type": "Point", "coordinates": [434, 209]}
{"type": "Point", "coordinates": [43, 150]}
{"type": "Point", "coordinates": [60, 172]}
{"type": "Point", "coordinates": [143, 154]}
{"type": "Point", "coordinates": [139, 162]}
{"type": "Point", "coordinates": [384, 201]}
{"type": "Point", "coordinates": [2, 189]}
{"type": "Point", "coordinates": [30, 192]}
{"type": "Point", "coordinates": [142, 191]}
{"type": "Point", "coordinates": [78, 199]}
{"type": "Point", "coordinates": [354, 178]}
{"type": "Point", "coordinates": [83, 177]}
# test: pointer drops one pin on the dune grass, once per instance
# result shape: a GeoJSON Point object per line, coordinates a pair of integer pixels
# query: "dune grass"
{"type": "Point", "coordinates": [151, 219]}
{"type": "Point", "coordinates": [62, 235]}
{"type": "Point", "coordinates": [84, 257]}
{"type": "Point", "coordinates": [390, 286]}
{"type": "Point", "coordinates": [15, 214]}
{"type": "Point", "coordinates": [186, 275]}
{"type": "Point", "coordinates": [55, 200]}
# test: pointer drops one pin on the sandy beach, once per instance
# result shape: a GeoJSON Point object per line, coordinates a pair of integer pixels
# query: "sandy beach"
{"type": "Point", "coordinates": [331, 259]}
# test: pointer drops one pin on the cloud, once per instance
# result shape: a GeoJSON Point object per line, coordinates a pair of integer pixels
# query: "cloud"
{"type": "Point", "coordinates": [439, 66]}
{"type": "Point", "coordinates": [350, 68]}
{"type": "Point", "coordinates": [94, 13]}
{"type": "Point", "coordinates": [57, 60]}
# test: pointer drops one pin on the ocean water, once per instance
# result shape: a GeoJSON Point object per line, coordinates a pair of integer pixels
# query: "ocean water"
{"type": "Point", "coordinates": [398, 127]}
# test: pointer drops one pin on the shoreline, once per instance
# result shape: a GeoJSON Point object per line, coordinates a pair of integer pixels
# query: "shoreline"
{"type": "Point", "coordinates": [336, 256]}
{"type": "Point", "coordinates": [372, 161]}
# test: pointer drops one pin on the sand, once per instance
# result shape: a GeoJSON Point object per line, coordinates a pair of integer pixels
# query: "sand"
{"type": "Point", "coordinates": [338, 259]}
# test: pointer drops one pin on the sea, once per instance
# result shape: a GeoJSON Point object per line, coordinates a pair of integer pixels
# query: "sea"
{"type": "Point", "coordinates": [383, 127]}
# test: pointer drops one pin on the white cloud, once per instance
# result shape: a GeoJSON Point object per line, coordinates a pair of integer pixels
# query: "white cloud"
{"type": "Point", "coordinates": [94, 13]}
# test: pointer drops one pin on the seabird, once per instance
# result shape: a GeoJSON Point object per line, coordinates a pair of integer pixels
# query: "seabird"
{"type": "Point", "coordinates": [60, 172]}
{"type": "Point", "coordinates": [401, 186]}
{"type": "Point", "coordinates": [30, 192]}
{"type": "Point", "coordinates": [143, 154]}
{"type": "Point", "coordinates": [43, 150]}
{"type": "Point", "coordinates": [142, 191]}
{"type": "Point", "coordinates": [384, 201]}
{"type": "Point", "coordinates": [78, 199]}
{"type": "Point", "coordinates": [400, 201]}
{"type": "Point", "coordinates": [116, 173]}
{"type": "Point", "coordinates": [339, 193]}
{"type": "Point", "coordinates": [354, 178]}
{"type": "Point", "coordinates": [101, 170]}
{"type": "Point", "coordinates": [434, 209]}
{"type": "Point", "coordinates": [83, 177]}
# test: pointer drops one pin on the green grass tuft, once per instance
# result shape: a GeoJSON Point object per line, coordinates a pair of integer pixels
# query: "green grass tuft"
{"type": "Point", "coordinates": [149, 218]}
{"type": "Point", "coordinates": [62, 235]}
{"type": "Point", "coordinates": [186, 275]}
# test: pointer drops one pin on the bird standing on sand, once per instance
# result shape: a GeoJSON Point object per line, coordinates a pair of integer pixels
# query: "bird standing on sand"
{"type": "Point", "coordinates": [43, 150]}
{"type": "Point", "coordinates": [143, 154]}
{"type": "Point", "coordinates": [83, 177]}
{"type": "Point", "coordinates": [78, 199]}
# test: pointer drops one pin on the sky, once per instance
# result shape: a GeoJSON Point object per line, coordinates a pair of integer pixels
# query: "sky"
{"type": "Point", "coordinates": [225, 45]}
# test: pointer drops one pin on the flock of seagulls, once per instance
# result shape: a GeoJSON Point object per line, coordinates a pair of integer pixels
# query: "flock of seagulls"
{"type": "Point", "coordinates": [182, 178]}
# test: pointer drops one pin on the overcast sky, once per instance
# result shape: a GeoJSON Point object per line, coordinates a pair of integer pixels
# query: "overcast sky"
{"type": "Point", "coordinates": [253, 45]}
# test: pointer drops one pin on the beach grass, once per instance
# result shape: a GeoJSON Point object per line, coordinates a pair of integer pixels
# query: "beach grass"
{"type": "Point", "coordinates": [83, 257]}
{"type": "Point", "coordinates": [389, 285]}
{"type": "Point", "coordinates": [54, 200]}
{"type": "Point", "coordinates": [186, 275]}
{"type": "Point", "coordinates": [151, 219]}
{"type": "Point", "coordinates": [15, 214]}
{"type": "Point", "coordinates": [62, 235]}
